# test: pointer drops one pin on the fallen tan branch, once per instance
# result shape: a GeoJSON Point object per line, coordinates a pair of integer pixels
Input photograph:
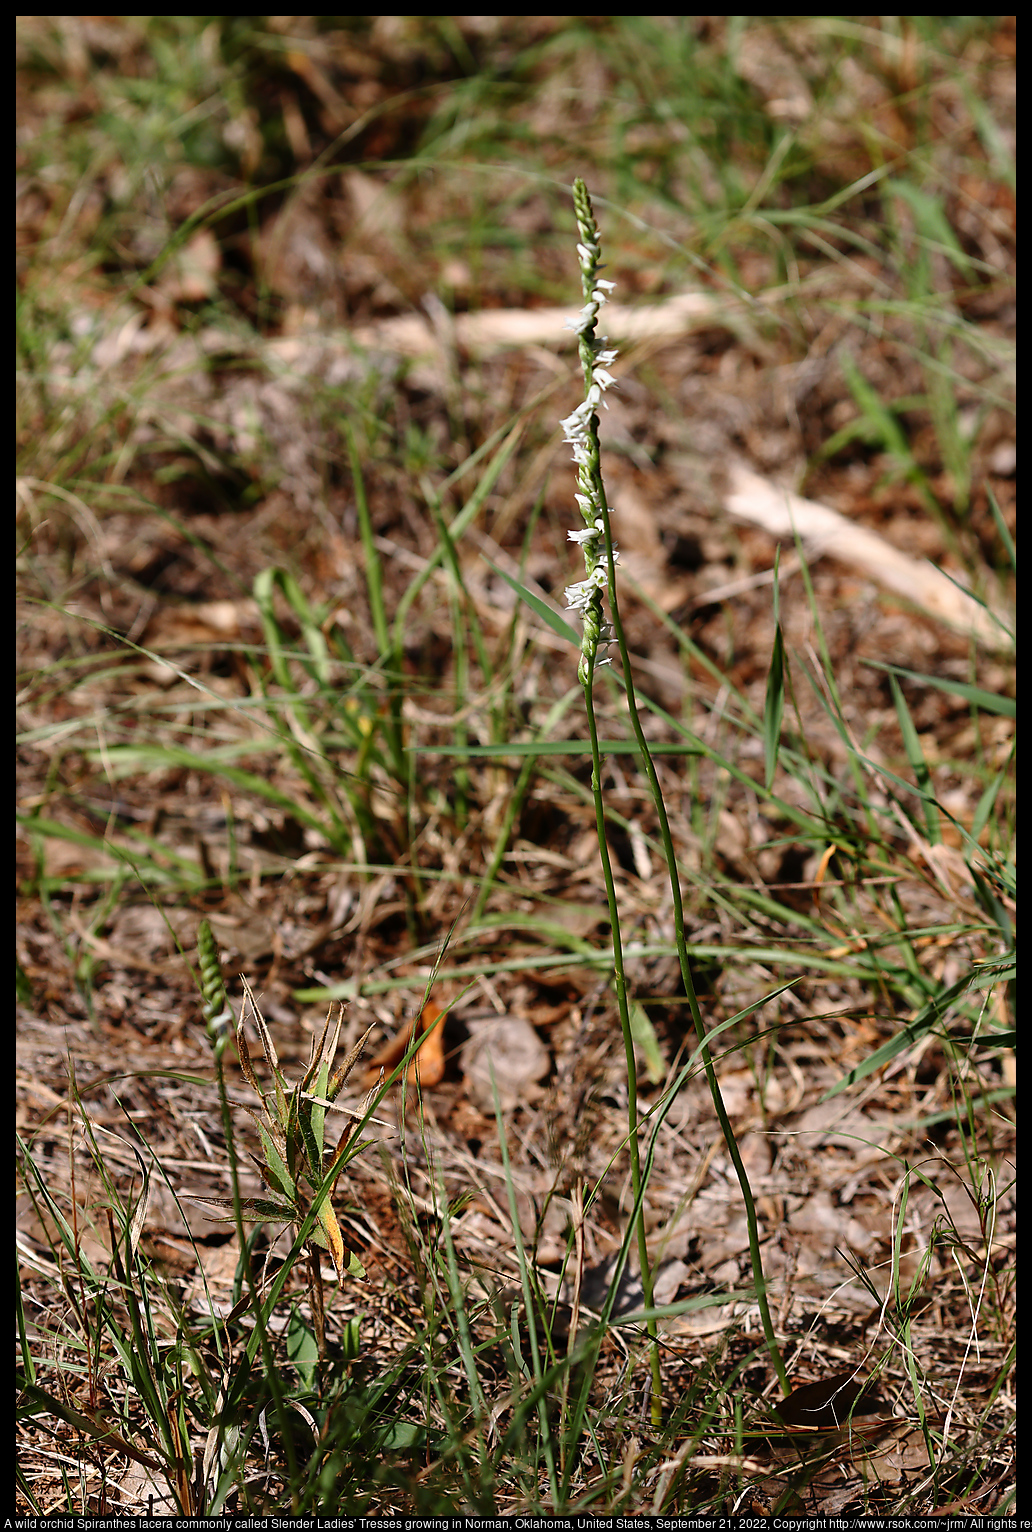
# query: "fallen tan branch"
{"type": "Point", "coordinates": [418, 335]}
{"type": "Point", "coordinates": [825, 532]}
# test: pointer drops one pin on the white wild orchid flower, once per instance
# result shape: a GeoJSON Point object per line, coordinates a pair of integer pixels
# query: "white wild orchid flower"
{"type": "Point", "coordinates": [580, 429]}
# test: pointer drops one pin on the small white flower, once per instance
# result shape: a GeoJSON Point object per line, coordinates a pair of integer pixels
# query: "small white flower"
{"type": "Point", "coordinates": [605, 638]}
{"type": "Point", "coordinates": [603, 282]}
{"type": "Point", "coordinates": [589, 533]}
{"type": "Point", "coordinates": [603, 378]}
{"type": "Point", "coordinates": [584, 320]}
{"type": "Point", "coordinates": [576, 423]}
{"type": "Point", "coordinates": [579, 597]}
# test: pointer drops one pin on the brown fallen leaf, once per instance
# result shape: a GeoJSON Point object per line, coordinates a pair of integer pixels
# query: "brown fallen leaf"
{"type": "Point", "coordinates": [820, 1419]}
{"type": "Point", "coordinates": [899, 1449]}
{"type": "Point", "coordinates": [427, 1068]}
{"type": "Point", "coordinates": [828, 1404]}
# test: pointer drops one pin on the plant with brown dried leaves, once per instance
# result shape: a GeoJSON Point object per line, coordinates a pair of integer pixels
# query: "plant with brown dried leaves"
{"type": "Point", "coordinates": [295, 1166]}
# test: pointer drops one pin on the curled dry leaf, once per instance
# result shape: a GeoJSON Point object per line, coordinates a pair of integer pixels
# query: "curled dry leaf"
{"type": "Point", "coordinates": [427, 1068]}
{"type": "Point", "coordinates": [829, 1404]}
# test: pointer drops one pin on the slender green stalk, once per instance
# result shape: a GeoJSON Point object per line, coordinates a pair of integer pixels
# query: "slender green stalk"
{"type": "Point", "coordinates": [581, 430]}
{"type": "Point", "coordinates": [600, 557]}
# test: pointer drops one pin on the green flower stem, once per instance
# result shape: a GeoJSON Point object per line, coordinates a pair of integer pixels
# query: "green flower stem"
{"type": "Point", "coordinates": [582, 432]}
{"type": "Point", "coordinates": [726, 1129]}
{"type": "Point", "coordinates": [620, 982]}
{"type": "Point", "coordinates": [600, 564]}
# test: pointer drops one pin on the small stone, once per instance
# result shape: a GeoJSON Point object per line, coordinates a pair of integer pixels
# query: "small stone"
{"type": "Point", "coordinates": [516, 1053]}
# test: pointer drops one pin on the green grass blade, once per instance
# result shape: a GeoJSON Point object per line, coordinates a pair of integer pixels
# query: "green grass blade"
{"type": "Point", "coordinates": [774, 709]}
{"type": "Point", "coordinates": [918, 764]}
{"type": "Point", "coordinates": [989, 702]}
{"type": "Point", "coordinates": [548, 615]}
